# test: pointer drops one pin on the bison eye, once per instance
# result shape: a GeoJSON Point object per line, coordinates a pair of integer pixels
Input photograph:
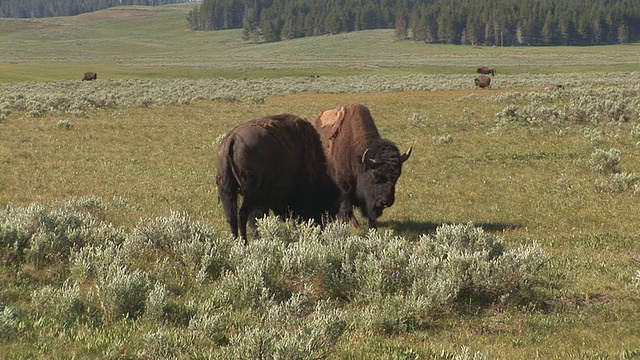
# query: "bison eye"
{"type": "Point", "coordinates": [380, 179]}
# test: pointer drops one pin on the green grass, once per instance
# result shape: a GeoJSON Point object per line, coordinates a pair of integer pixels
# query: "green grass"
{"type": "Point", "coordinates": [524, 183]}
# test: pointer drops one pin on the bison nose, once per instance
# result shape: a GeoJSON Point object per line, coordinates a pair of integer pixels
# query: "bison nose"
{"type": "Point", "coordinates": [390, 200]}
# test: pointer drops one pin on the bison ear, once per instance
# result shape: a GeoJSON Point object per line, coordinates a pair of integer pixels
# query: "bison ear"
{"type": "Point", "coordinates": [404, 157]}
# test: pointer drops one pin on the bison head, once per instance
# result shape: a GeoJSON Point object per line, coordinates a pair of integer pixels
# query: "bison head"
{"type": "Point", "coordinates": [376, 186]}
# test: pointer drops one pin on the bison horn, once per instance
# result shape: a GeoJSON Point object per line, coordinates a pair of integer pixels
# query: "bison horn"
{"type": "Point", "coordinates": [366, 160]}
{"type": "Point", "coordinates": [406, 155]}
{"type": "Point", "coordinates": [364, 156]}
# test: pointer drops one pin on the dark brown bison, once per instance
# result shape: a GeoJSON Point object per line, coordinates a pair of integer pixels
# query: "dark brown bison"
{"type": "Point", "coordinates": [276, 163]}
{"type": "Point", "coordinates": [485, 70]}
{"type": "Point", "coordinates": [360, 160]}
{"type": "Point", "coordinates": [483, 81]}
{"type": "Point", "coordinates": [88, 76]}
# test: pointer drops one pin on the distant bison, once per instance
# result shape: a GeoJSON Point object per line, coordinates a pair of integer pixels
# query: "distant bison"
{"type": "Point", "coordinates": [359, 159]}
{"type": "Point", "coordinates": [554, 87]}
{"type": "Point", "coordinates": [276, 163]}
{"type": "Point", "coordinates": [485, 70]}
{"type": "Point", "coordinates": [483, 81]}
{"type": "Point", "coordinates": [88, 76]}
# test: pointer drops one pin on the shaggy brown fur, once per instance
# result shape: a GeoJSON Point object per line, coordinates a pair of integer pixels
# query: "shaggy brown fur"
{"type": "Point", "coordinates": [276, 163]}
{"type": "Point", "coordinates": [483, 81]}
{"type": "Point", "coordinates": [347, 133]}
{"type": "Point", "coordinates": [89, 76]}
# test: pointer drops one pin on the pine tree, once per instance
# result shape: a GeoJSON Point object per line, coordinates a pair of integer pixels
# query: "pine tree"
{"type": "Point", "coordinates": [402, 25]}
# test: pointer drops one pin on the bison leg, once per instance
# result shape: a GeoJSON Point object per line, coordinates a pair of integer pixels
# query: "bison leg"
{"type": "Point", "coordinates": [243, 215]}
{"type": "Point", "coordinates": [254, 215]}
{"type": "Point", "coordinates": [346, 212]}
{"type": "Point", "coordinates": [232, 220]}
{"type": "Point", "coordinates": [353, 221]}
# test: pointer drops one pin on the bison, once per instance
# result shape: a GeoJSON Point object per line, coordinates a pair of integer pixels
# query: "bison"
{"type": "Point", "coordinates": [88, 76]}
{"type": "Point", "coordinates": [485, 70]}
{"type": "Point", "coordinates": [276, 163]}
{"type": "Point", "coordinates": [483, 81]}
{"type": "Point", "coordinates": [360, 160]}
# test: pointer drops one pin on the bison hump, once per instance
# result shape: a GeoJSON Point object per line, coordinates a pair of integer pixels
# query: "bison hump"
{"type": "Point", "coordinates": [332, 117]}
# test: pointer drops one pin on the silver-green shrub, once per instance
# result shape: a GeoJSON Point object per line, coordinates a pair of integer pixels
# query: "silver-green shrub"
{"type": "Point", "coordinates": [123, 292]}
{"type": "Point", "coordinates": [212, 322]}
{"type": "Point", "coordinates": [164, 343]}
{"type": "Point", "coordinates": [8, 322]}
{"type": "Point", "coordinates": [582, 105]}
{"type": "Point", "coordinates": [156, 303]}
{"type": "Point", "coordinates": [95, 261]}
{"type": "Point", "coordinates": [64, 304]}
{"type": "Point", "coordinates": [457, 263]}
{"type": "Point", "coordinates": [510, 114]}
{"type": "Point", "coordinates": [380, 268]}
{"type": "Point", "coordinates": [444, 140]}
{"type": "Point", "coordinates": [17, 226]}
{"type": "Point", "coordinates": [4, 112]}
{"type": "Point", "coordinates": [195, 246]}
{"type": "Point", "coordinates": [64, 125]}
{"type": "Point", "coordinates": [594, 135]}
{"type": "Point", "coordinates": [534, 113]}
{"type": "Point", "coordinates": [246, 287]}
{"type": "Point", "coordinates": [617, 182]}
{"type": "Point", "coordinates": [289, 330]}
{"type": "Point", "coordinates": [41, 235]}
{"type": "Point", "coordinates": [396, 314]}
{"type": "Point", "coordinates": [614, 102]}
{"type": "Point", "coordinates": [605, 161]}
{"type": "Point", "coordinates": [284, 295]}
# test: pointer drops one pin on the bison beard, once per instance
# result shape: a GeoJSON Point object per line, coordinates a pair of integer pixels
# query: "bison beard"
{"type": "Point", "coordinates": [359, 159]}
{"type": "Point", "coordinates": [275, 163]}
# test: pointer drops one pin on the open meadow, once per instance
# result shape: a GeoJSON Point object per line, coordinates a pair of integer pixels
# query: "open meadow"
{"type": "Point", "coordinates": [515, 233]}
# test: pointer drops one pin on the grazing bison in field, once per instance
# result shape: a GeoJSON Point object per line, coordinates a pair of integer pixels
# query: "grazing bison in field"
{"type": "Point", "coordinates": [360, 160]}
{"type": "Point", "coordinates": [483, 81]}
{"type": "Point", "coordinates": [554, 87]}
{"type": "Point", "coordinates": [88, 76]}
{"type": "Point", "coordinates": [485, 70]}
{"type": "Point", "coordinates": [276, 163]}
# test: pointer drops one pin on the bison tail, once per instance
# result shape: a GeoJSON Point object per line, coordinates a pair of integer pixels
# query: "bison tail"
{"type": "Point", "coordinates": [228, 188]}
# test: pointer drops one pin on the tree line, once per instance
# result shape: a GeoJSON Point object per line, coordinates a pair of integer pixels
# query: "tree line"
{"type": "Point", "coordinates": [488, 22]}
{"type": "Point", "coordinates": [50, 8]}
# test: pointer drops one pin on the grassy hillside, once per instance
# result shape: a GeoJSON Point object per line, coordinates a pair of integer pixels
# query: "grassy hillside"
{"type": "Point", "coordinates": [113, 244]}
{"type": "Point", "coordinates": [155, 42]}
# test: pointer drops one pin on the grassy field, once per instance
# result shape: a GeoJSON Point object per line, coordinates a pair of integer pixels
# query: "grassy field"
{"type": "Point", "coordinates": [132, 43]}
{"type": "Point", "coordinates": [527, 179]}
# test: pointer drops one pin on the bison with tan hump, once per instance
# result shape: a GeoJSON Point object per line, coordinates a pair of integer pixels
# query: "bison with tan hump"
{"type": "Point", "coordinates": [365, 166]}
